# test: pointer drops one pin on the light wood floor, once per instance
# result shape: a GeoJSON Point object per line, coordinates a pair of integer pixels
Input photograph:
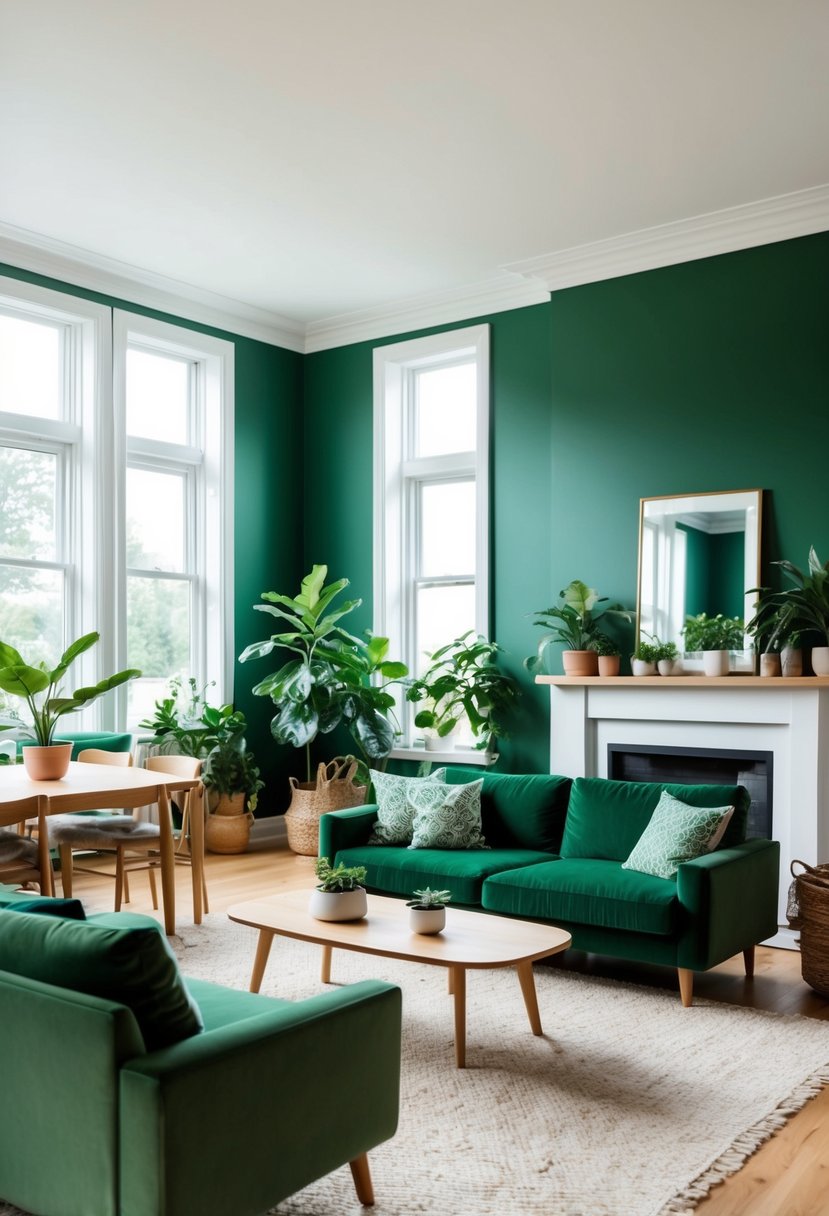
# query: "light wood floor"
{"type": "Point", "coordinates": [788, 1176]}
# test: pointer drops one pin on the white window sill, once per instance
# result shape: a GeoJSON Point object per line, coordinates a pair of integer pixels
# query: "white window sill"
{"type": "Point", "coordinates": [455, 755]}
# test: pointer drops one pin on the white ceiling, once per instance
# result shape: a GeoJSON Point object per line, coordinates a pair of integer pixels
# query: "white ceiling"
{"type": "Point", "coordinates": [316, 158]}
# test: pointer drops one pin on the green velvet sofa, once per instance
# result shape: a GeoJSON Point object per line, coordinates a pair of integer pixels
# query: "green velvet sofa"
{"type": "Point", "coordinates": [109, 1111]}
{"type": "Point", "coordinates": [556, 851]}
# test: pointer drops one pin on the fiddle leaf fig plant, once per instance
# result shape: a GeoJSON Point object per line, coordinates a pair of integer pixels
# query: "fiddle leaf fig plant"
{"type": "Point", "coordinates": [40, 687]}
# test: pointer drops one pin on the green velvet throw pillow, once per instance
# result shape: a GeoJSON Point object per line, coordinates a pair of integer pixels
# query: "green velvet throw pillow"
{"type": "Point", "coordinates": [119, 957]}
{"type": "Point", "coordinates": [677, 832]}
{"type": "Point", "coordinates": [394, 814]}
{"type": "Point", "coordinates": [446, 816]}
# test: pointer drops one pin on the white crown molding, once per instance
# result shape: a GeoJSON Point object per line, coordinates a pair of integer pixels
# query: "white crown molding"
{"type": "Point", "coordinates": [80, 268]}
{"type": "Point", "coordinates": [498, 294]}
{"type": "Point", "coordinates": [801, 213]}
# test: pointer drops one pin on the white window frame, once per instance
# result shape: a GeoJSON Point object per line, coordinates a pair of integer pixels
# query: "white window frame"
{"type": "Point", "coordinates": [397, 478]}
{"type": "Point", "coordinates": [208, 466]}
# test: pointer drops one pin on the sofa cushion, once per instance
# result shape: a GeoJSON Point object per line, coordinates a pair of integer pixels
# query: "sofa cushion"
{"type": "Point", "coordinates": [677, 832]}
{"type": "Point", "coordinates": [400, 871]}
{"type": "Point", "coordinates": [606, 818]}
{"type": "Point", "coordinates": [118, 956]}
{"type": "Point", "coordinates": [446, 816]}
{"type": "Point", "coordinates": [520, 812]}
{"type": "Point", "coordinates": [395, 815]}
{"type": "Point", "coordinates": [220, 1006]}
{"type": "Point", "coordinates": [586, 892]}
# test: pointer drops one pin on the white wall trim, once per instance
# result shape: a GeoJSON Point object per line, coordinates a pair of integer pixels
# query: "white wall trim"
{"type": "Point", "coordinates": [80, 268]}
{"type": "Point", "coordinates": [773, 219]}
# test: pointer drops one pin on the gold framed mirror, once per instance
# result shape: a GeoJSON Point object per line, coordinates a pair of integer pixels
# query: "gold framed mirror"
{"type": "Point", "coordinates": [698, 553]}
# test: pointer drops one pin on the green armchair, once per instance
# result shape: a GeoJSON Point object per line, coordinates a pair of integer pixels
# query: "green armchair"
{"type": "Point", "coordinates": [109, 1110]}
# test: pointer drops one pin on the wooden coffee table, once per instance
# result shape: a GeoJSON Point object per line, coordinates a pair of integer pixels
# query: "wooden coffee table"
{"type": "Point", "coordinates": [471, 940]}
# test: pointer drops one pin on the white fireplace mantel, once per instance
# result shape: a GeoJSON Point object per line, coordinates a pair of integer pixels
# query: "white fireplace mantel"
{"type": "Point", "coordinates": [788, 717]}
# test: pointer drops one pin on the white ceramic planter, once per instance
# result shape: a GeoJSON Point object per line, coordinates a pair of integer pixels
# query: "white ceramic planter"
{"type": "Point", "coordinates": [820, 660]}
{"type": "Point", "coordinates": [427, 920]}
{"type": "Point", "coordinates": [338, 905]}
{"type": "Point", "coordinates": [434, 743]}
{"type": "Point", "coordinates": [665, 667]}
{"type": "Point", "coordinates": [715, 662]}
{"type": "Point", "coordinates": [640, 668]}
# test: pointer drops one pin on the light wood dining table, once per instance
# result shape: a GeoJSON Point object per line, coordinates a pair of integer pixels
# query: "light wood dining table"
{"type": "Point", "coordinates": [97, 787]}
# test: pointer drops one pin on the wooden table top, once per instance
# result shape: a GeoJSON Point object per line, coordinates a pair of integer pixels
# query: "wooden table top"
{"type": "Point", "coordinates": [470, 939]}
{"type": "Point", "coordinates": [92, 786]}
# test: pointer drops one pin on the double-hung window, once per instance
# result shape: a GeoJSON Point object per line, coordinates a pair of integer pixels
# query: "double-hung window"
{"type": "Point", "coordinates": [431, 518]}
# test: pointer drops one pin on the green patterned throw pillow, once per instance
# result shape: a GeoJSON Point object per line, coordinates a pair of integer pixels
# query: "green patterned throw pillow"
{"type": "Point", "coordinates": [447, 817]}
{"type": "Point", "coordinates": [394, 815]}
{"type": "Point", "coordinates": [677, 832]}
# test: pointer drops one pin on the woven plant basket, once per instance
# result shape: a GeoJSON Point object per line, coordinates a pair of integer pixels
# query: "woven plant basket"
{"type": "Point", "coordinates": [808, 911]}
{"type": "Point", "coordinates": [333, 790]}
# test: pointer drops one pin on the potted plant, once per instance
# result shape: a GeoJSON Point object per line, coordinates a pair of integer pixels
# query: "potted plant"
{"type": "Point", "coordinates": [40, 688]}
{"type": "Point", "coordinates": [463, 680]}
{"type": "Point", "coordinates": [667, 655]}
{"type": "Point", "coordinates": [644, 658]}
{"type": "Point", "coordinates": [609, 654]}
{"type": "Point", "coordinates": [232, 779]}
{"type": "Point", "coordinates": [339, 894]}
{"type": "Point", "coordinates": [715, 636]}
{"type": "Point", "coordinates": [428, 910]}
{"type": "Point", "coordinates": [809, 600]}
{"type": "Point", "coordinates": [774, 629]}
{"type": "Point", "coordinates": [574, 622]}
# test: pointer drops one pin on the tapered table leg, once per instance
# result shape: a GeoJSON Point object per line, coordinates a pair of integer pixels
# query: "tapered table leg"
{"type": "Point", "coordinates": [527, 982]}
{"type": "Point", "coordinates": [168, 863]}
{"type": "Point", "coordinates": [325, 965]}
{"type": "Point", "coordinates": [459, 988]}
{"type": "Point", "coordinates": [263, 949]}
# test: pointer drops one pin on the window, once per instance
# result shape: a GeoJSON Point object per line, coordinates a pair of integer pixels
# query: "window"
{"type": "Point", "coordinates": [116, 448]}
{"type": "Point", "coordinates": [431, 519]}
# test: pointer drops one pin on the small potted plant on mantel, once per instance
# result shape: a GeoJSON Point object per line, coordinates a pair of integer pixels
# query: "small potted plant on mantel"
{"type": "Point", "coordinates": [428, 910]}
{"type": "Point", "coordinates": [715, 636]}
{"type": "Point", "coordinates": [575, 623]}
{"type": "Point", "coordinates": [339, 894]}
{"type": "Point", "coordinates": [609, 654]}
{"type": "Point", "coordinates": [666, 658]}
{"type": "Point", "coordinates": [644, 659]}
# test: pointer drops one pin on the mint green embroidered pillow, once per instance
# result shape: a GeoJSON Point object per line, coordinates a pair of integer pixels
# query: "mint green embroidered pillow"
{"type": "Point", "coordinates": [394, 815]}
{"type": "Point", "coordinates": [676, 833]}
{"type": "Point", "coordinates": [447, 817]}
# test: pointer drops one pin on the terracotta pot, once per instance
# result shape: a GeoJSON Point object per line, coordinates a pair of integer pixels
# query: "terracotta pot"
{"type": "Point", "coordinates": [770, 664]}
{"type": "Point", "coordinates": [820, 660]}
{"type": "Point", "coordinates": [609, 664]}
{"type": "Point", "coordinates": [338, 905]}
{"type": "Point", "coordinates": [791, 661]}
{"type": "Point", "coordinates": [47, 763]}
{"type": "Point", "coordinates": [227, 833]}
{"type": "Point", "coordinates": [427, 920]}
{"type": "Point", "coordinates": [580, 662]}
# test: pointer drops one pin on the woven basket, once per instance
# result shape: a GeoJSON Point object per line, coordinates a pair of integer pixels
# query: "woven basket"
{"type": "Point", "coordinates": [333, 790]}
{"type": "Point", "coordinates": [809, 912]}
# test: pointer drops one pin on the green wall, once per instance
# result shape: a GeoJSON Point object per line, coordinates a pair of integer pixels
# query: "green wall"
{"type": "Point", "coordinates": [268, 487]}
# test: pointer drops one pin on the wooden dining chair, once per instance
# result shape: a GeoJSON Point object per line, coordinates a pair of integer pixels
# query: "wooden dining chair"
{"type": "Point", "coordinates": [186, 766]}
{"type": "Point", "coordinates": [18, 852]}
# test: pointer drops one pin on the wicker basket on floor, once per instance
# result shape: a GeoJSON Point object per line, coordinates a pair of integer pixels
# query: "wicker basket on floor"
{"type": "Point", "coordinates": [333, 790]}
{"type": "Point", "coordinates": [809, 912]}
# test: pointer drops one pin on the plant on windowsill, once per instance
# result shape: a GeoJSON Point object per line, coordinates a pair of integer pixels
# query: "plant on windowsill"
{"type": "Point", "coordinates": [715, 636]}
{"type": "Point", "coordinates": [339, 894]}
{"type": "Point", "coordinates": [427, 911]}
{"type": "Point", "coordinates": [463, 680]}
{"type": "Point", "coordinates": [40, 688]}
{"type": "Point", "coordinates": [575, 623]}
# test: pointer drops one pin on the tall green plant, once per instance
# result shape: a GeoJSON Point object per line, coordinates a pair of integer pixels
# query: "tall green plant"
{"type": "Point", "coordinates": [463, 679]}
{"type": "Point", "coordinates": [330, 681]}
{"type": "Point", "coordinates": [575, 621]}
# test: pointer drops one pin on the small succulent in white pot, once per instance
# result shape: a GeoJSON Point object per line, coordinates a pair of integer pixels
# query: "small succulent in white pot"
{"type": "Point", "coordinates": [339, 895]}
{"type": "Point", "coordinates": [428, 910]}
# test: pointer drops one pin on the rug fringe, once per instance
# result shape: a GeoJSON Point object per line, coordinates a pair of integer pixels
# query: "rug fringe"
{"type": "Point", "coordinates": [746, 1144]}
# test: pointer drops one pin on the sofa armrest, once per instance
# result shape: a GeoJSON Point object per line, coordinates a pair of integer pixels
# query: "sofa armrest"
{"type": "Point", "coordinates": [346, 829]}
{"type": "Point", "coordinates": [238, 1118]}
{"type": "Point", "coordinates": [730, 902]}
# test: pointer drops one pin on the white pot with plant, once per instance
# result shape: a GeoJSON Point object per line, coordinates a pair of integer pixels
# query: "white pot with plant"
{"type": "Point", "coordinates": [339, 895]}
{"type": "Point", "coordinates": [40, 688]}
{"type": "Point", "coordinates": [643, 660]}
{"type": "Point", "coordinates": [427, 911]}
{"type": "Point", "coordinates": [716, 636]}
{"type": "Point", "coordinates": [575, 623]}
{"type": "Point", "coordinates": [667, 657]}
{"type": "Point", "coordinates": [462, 681]}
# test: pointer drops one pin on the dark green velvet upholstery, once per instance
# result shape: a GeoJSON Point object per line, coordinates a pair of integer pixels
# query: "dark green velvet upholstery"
{"type": "Point", "coordinates": [519, 812]}
{"type": "Point", "coordinates": [197, 1127]}
{"type": "Point", "coordinates": [398, 871]}
{"type": "Point", "coordinates": [606, 818]}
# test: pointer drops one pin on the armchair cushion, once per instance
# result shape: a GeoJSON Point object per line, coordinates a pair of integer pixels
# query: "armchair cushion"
{"type": "Point", "coordinates": [118, 957]}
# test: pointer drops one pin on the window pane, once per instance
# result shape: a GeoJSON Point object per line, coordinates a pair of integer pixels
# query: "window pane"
{"type": "Point", "coordinates": [443, 613]}
{"type": "Point", "coordinates": [155, 520]}
{"type": "Point", "coordinates": [31, 612]}
{"type": "Point", "coordinates": [28, 484]}
{"type": "Point", "coordinates": [447, 528]}
{"type": "Point", "coordinates": [158, 637]}
{"type": "Point", "coordinates": [158, 396]}
{"type": "Point", "coordinates": [445, 411]}
{"type": "Point", "coordinates": [30, 367]}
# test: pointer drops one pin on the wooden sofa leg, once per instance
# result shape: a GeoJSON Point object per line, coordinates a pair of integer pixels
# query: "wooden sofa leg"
{"type": "Point", "coordinates": [686, 986]}
{"type": "Point", "coordinates": [362, 1180]}
{"type": "Point", "coordinates": [748, 958]}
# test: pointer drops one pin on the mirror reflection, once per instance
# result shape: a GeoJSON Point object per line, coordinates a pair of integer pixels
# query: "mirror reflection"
{"type": "Point", "coordinates": [698, 553]}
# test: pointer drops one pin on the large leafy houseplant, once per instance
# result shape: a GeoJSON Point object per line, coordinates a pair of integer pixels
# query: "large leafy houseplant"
{"type": "Point", "coordinates": [575, 622]}
{"type": "Point", "coordinates": [804, 606]}
{"type": "Point", "coordinates": [40, 687]}
{"type": "Point", "coordinates": [704, 632]}
{"type": "Point", "coordinates": [331, 681]}
{"type": "Point", "coordinates": [463, 679]}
